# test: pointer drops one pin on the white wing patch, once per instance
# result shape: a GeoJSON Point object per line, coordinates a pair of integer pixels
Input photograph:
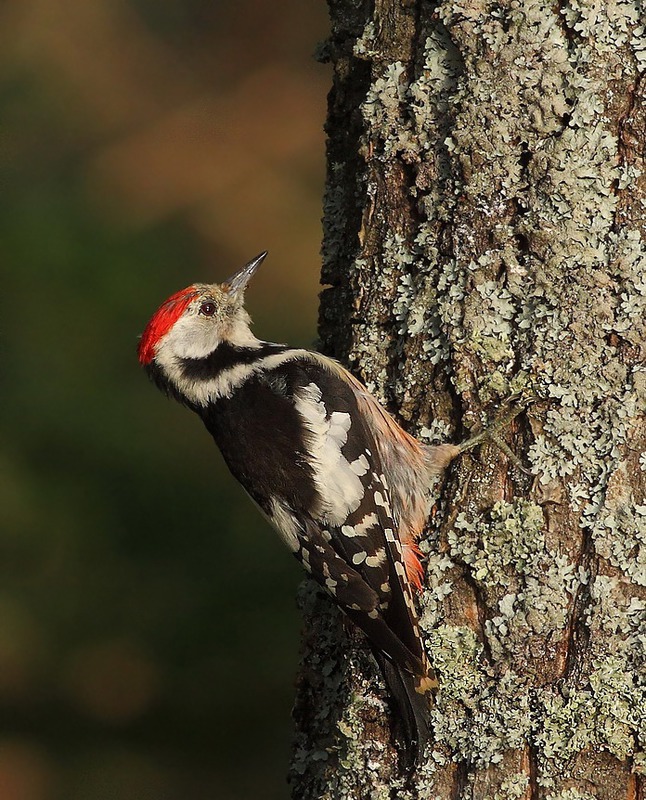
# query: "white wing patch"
{"type": "Point", "coordinates": [337, 480]}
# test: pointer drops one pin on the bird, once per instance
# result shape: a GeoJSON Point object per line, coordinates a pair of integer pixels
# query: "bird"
{"type": "Point", "coordinates": [344, 485]}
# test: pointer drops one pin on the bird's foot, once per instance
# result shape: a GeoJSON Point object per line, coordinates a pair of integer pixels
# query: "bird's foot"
{"type": "Point", "coordinates": [493, 431]}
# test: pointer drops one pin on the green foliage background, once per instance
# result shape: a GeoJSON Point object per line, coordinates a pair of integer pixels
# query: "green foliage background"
{"type": "Point", "coordinates": [148, 632]}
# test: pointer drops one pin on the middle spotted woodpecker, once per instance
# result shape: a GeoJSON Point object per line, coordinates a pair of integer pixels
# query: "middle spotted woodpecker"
{"type": "Point", "coordinates": [345, 486]}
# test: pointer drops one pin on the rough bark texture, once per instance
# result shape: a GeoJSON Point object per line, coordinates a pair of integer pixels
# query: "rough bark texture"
{"type": "Point", "coordinates": [485, 235]}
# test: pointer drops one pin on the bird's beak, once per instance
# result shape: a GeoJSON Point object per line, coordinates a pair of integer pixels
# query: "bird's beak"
{"type": "Point", "coordinates": [237, 283]}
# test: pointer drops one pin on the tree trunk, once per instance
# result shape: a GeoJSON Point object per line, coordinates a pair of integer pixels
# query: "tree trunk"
{"type": "Point", "coordinates": [485, 227]}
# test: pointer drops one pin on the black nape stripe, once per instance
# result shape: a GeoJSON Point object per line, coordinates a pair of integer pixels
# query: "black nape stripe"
{"type": "Point", "coordinates": [225, 356]}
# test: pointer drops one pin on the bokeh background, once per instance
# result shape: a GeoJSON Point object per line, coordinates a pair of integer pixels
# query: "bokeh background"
{"type": "Point", "coordinates": [148, 629]}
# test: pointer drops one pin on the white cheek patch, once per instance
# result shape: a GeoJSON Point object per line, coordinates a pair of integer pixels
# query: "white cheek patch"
{"type": "Point", "coordinates": [337, 481]}
{"type": "Point", "coordinates": [192, 336]}
{"type": "Point", "coordinates": [196, 337]}
{"type": "Point", "coordinates": [188, 338]}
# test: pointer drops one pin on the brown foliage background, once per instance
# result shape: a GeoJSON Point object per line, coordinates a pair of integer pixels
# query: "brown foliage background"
{"type": "Point", "coordinates": [148, 634]}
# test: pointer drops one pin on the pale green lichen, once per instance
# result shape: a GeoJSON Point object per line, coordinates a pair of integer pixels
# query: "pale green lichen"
{"type": "Point", "coordinates": [609, 712]}
{"type": "Point", "coordinates": [439, 586]}
{"type": "Point", "coordinates": [350, 726]}
{"type": "Point", "coordinates": [384, 107]}
{"type": "Point", "coordinates": [456, 654]}
{"type": "Point", "coordinates": [509, 559]}
{"type": "Point", "coordinates": [409, 308]}
{"type": "Point", "coordinates": [363, 46]}
{"type": "Point", "coordinates": [604, 716]}
{"type": "Point", "coordinates": [512, 788]}
{"type": "Point", "coordinates": [510, 542]}
{"type": "Point", "coordinates": [619, 532]}
{"type": "Point", "coordinates": [639, 763]}
{"type": "Point", "coordinates": [490, 332]}
{"type": "Point", "coordinates": [478, 721]}
{"type": "Point", "coordinates": [416, 296]}
{"type": "Point", "coordinates": [608, 27]}
{"type": "Point", "coordinates": [436, 433]}
{"type": "Point", "coordinates": [571, 794]}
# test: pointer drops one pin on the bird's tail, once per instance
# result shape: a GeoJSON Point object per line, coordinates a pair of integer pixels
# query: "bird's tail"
{"type": "Point", "coordinates": [410, 706]}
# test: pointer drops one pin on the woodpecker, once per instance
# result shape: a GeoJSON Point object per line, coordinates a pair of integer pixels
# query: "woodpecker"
{"type": "Point", "coordinates": [344, 485]}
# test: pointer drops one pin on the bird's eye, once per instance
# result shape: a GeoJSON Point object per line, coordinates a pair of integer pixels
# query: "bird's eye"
{"type": "Point", "coordinates": [208, 309]}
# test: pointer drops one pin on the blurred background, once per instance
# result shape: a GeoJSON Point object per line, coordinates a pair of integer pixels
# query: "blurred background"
{"type": "Point", "coordinates": [148, 629]}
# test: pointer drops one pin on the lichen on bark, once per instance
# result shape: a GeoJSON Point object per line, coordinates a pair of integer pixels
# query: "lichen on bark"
{"type": "Point", "coordinates": [485, 235]}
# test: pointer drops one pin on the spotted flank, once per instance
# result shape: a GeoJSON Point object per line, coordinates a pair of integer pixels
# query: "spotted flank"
{"type": "Point", "coordinates": [334, 574]}
{"type": "Point", "coordinates": [365, 538]}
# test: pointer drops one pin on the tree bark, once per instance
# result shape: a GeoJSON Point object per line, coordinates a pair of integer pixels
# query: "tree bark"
{"type": "Point", "coordinates": [485, 236]}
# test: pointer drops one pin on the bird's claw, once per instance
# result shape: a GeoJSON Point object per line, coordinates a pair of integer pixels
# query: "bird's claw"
{"type": "Point", "coordinates": [510, 409]}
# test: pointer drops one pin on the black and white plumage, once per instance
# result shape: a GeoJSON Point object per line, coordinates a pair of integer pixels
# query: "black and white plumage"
{"type": "Point", "coordinates": [344, 485]}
